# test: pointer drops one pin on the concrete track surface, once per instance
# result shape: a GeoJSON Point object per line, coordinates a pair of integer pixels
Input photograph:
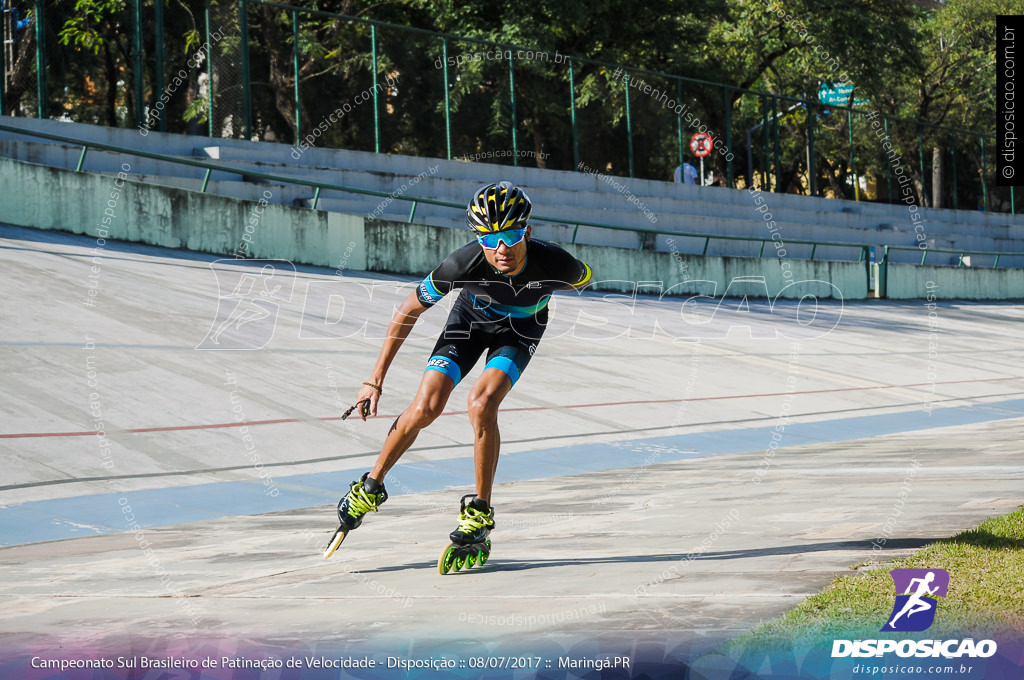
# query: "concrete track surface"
{"type": "Point", "coordinates": [673, 472]}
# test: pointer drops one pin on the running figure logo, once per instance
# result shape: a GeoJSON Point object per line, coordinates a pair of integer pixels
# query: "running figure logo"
{"type": "Point", "coordinates": [914, 610]}
{"type": "Point", "coordinates": [249, 299]}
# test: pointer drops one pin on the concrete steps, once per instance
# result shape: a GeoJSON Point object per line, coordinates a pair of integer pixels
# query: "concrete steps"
{"type": "Point", "coordinates": [567, 197]}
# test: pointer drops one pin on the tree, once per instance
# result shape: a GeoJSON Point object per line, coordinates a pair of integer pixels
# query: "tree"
{"type": "Point", "coordinates": [950, 86]}
{"type": "Point", "coordinates": [97, 31]}
{"type": "Point", "coordinates": [763, 55]}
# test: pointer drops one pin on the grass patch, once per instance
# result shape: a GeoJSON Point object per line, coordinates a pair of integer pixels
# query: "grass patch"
{"type": "Point", "coordinates": [985, 598]}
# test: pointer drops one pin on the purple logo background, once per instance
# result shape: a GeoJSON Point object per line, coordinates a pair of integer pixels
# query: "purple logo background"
{"type": "Point", "coordinates": [916, 593]}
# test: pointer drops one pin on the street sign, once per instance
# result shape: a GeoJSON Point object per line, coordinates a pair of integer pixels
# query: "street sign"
{"type": "Point", "coordinates": [701, 144]}
{"type": "Point", "coordinates": [838, 95]}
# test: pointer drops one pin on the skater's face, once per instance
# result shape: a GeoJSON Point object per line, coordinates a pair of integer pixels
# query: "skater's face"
{"type": "Point", "coordinates": [509, 260]}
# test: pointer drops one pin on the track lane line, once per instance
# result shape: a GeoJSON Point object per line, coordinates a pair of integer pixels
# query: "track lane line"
{"type": "Point", "coordinates": [277, 421]}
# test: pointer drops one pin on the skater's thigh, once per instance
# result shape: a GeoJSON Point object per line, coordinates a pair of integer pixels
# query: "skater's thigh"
{"type": "Point", "coordinates": [510, 351]}
{"type": "Point", "coordinates": [432, 395]}
{"type": "Point", "coordinates": [463, 340]}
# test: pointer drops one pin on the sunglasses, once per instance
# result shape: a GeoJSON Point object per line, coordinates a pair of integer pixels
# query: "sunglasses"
{"type": "Point", "coordinates": [509, 237]}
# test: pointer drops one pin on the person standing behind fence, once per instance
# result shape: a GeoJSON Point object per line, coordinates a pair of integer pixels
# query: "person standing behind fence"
{"type": "Point", "coordinates": [685, 174]}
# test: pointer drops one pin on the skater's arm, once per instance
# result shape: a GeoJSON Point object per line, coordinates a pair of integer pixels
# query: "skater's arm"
{"type": "Point", "coordinates": [406, 316]}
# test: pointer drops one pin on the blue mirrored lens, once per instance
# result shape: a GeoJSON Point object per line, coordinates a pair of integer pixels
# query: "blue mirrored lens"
{"type": "Point", "coordinates": [509, 237]}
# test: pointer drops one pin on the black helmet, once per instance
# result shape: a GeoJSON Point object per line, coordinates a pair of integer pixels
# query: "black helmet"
{"type": "Point", "coordinates": [496, 207]}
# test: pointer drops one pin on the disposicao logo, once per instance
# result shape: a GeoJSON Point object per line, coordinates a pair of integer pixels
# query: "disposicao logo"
{"type": "Point", "coordinates": [913, 611]}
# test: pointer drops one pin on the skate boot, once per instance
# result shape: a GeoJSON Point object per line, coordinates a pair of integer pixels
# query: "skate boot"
{"type": "Point", "coordinates": [470, 545]}
{"type": "Point", "coordinates": [351, 508]}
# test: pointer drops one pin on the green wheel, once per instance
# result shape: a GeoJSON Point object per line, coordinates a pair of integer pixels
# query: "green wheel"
{"type": "Point", "coordinates": [471, 560]}
{"type": "Point", "coordinates": [460, 563]}
{"type": "Point", "coordinates": [484, 554]}
{"type": "Point", "coordinates": [444, 564]}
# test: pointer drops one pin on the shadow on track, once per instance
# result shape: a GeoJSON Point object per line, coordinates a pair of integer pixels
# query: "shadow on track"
{"type": "Point", "coordinates": [498, 564]}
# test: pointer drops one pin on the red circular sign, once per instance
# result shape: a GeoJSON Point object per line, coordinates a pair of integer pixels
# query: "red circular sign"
{"type": "Point", "coordinates": [701, 144]}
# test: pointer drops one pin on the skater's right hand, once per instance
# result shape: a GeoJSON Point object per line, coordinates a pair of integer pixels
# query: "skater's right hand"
{"type": "Point", "coordinates": [369, 395]}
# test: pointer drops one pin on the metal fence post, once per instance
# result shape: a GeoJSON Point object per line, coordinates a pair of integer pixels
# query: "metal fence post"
{"type": "Point", "coordinates": [243, 24]}
{"type": "Point", "coordinates": [679, 127]}
{"type": "Point", "coordinates": [138, 74]}
{"type": "Point", "coordinates": [952, 163]}
{"type": "Point", "coordinates": [447, 105]}
{"type": "Point", "coordinates": [512, 101]}
{"type": "Point", "coordinates": [3, 59]}
{"type": "Point", "coordinates": [984, 187]}
{"type": "Point", "coordinates": [884, 271]}
{"type": "Point", "coordinates": [209, 70]}
{"type": "Point", "coordinates": [728, 137]}
{"type": "Point", "coordinates": [295, 69]}
{"type": "Point", "coordinates": [158, 80]}
{"type": "Point", "coordinates": [778, 163]}
{"type": "Point", "coordinates": [629, 125]}
{"type": "Point", "coordinates": [921, 167]}
{"type": "Point", "coordinates": [865, 256]}
{"type": "Point", "coordinates": [888, 165]}
{"type": "Point", "coordinates": [572, 118]}
{"type": "Point", "coordinates": [376, 106]}
{"type": "Point", "coordinates": [765, 186]}
{"type": "Point", "coordinates": [853, 171]}
{"type": "Point", "coordinates": [42, 107]}
{"type": "Point", "coordinates": [812, 175]}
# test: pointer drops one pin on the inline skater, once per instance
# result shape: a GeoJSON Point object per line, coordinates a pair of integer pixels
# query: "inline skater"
{"type": "Point", "coordinates": [506, 279]}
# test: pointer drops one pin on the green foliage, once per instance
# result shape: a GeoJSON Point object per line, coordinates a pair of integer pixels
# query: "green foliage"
{"type": "Point", "coordinates": [197, 110]}
{"type": "Point", "coordinates": [89, 27]}
{"type": "Point", "coordinates": [931, 63]}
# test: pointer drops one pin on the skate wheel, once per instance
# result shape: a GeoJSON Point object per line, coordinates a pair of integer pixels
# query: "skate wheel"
{"type": "Point", "coordinates": [460, 563]}
{"type": "Point", "coordinates": [339, 535]}
{"type": "Point", "coordinates": [471, 559]}
{"type": "Point", "coordinates": [484, 554]}
{"type": "Point", "coordinates": [444, 564]}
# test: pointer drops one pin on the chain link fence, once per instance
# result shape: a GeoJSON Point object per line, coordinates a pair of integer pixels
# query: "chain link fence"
{"type": "Point", "coordinates": [311, 78]}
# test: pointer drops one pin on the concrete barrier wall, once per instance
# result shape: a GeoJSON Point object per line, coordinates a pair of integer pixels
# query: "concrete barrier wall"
{"type": "Point", "coordinates": [678, 274]}
{"type": "Point", "coordinates": [395, 247]}
{"type": "Point", "coordinates": [907, 282]}
{"type": "Point", "coordinates": [122, 208]}
{"type": "Point", "coordinates": [564, 195]}
{"type": "Point", "coordinates": [401, 248]}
